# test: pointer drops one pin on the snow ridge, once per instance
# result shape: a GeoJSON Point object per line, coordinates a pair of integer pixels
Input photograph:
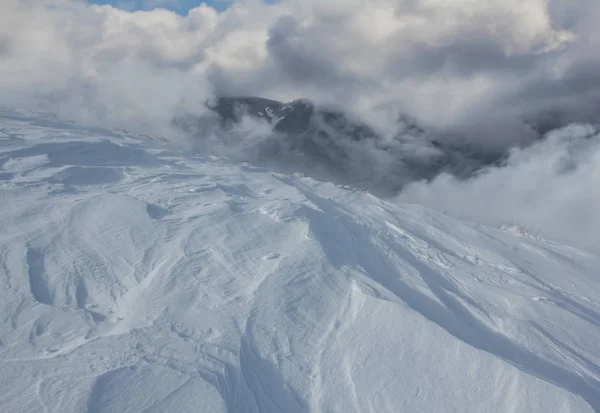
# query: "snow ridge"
{"type": "Point", "coordinates": [137, 277]}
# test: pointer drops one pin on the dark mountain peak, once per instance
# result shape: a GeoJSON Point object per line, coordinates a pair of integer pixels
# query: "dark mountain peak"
{"type": "Point", "coordinates": [297, 117]}
{"type": "Point", "coordinates": [232, 109]}
{"type": "Point", "coordinates": [327, 143]}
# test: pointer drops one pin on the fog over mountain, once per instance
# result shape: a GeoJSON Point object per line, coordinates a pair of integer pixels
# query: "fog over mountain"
{"type": "Point", "coordinates": [330, 145]}
{"type": "Point", "coordinates": [448, 97]}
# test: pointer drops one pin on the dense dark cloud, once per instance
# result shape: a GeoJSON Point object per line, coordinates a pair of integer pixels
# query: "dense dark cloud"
{"type": "Point", "coordinates": [484, 75]}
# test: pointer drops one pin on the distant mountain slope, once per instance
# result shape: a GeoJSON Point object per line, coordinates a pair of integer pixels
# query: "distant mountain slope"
{"type": "Point", "coordinates": [327, 144]}
{"type": "Point", "coordinates": [137, 277]}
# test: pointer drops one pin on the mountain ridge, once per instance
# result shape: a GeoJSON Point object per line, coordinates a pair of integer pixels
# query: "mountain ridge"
{"type": "Point", "coordinates": [312, 138]}
{"type": "Point", "coordinates": [138, 276]}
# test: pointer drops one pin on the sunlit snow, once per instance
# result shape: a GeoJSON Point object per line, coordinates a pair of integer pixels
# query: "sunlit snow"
{"type": "Point", "coordinates": [137, 277]}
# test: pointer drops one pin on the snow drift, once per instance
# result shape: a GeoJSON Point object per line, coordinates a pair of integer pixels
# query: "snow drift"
{"type": "Point", "coordinates": [137, 277]}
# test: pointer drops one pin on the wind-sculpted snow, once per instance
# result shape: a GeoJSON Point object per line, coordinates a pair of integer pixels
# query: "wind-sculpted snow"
{"type": "Point", "coordinates": [135, 277]}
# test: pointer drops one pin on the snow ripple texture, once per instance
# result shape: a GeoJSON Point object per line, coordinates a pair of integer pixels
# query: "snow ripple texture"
{"type": "Point", "coordinates": [135, 277]}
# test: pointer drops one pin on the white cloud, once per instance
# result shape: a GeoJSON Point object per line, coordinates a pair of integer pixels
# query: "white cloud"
{"type": "Point", "coordinates": [550, 187]}
{"type": "Point", "coordinates": [439, 60]}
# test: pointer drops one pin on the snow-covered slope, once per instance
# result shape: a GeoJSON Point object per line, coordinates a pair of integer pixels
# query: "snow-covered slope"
{"type": "Point", "coordinates": [135, 277]}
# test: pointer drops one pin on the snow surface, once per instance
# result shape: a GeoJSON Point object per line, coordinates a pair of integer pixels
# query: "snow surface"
{"type": "Point", "coordinates": [136, 277]}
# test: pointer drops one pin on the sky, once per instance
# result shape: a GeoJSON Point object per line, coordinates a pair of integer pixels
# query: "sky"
{"type": "Point", "coordinates": [480, 71]}
{"type": "Point", "coordinates": [179, 6]}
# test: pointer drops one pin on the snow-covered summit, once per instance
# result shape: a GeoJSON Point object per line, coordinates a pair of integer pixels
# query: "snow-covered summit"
{"type": "Point", "coordinates": [135, 277]}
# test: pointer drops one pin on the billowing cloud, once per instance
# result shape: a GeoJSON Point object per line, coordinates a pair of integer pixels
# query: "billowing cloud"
{"type": "Point", "coordinates": [448, 63]}
{"type": "Point", "coordinates": [487, 73]}
{"type": "Point", "coordinates": [550, 188]}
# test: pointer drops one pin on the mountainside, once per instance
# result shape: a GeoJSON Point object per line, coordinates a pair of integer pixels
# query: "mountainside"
{"type": "Point", "coordinates": [328, 144]}
{"type": "Point", "coordinates": [137, 277]}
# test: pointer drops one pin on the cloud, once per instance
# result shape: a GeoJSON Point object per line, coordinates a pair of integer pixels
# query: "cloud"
{"type": "Point", "coordinates": [445, 62]}
{"type": "Point", "coordinates": [550, 187]}
{"type": "Point", "coordinates": [489, 74]}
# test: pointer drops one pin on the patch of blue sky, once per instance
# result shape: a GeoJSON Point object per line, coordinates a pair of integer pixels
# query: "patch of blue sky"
{"type": "Point", "coordinates": [178, 6]}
